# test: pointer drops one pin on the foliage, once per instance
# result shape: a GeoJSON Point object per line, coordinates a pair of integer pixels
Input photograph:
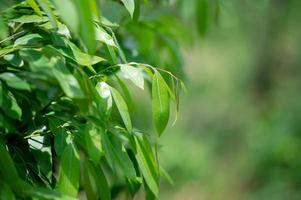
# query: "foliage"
{"type": "Point", "coordinates": [65, 125]}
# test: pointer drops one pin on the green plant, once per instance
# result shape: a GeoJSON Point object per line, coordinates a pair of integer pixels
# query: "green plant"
{"type": "Point", "coordinates": [65, 127]}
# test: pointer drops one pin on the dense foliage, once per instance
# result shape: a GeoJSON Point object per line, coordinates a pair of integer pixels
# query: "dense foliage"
{"type": "Point", "coordinates": [65, 125]}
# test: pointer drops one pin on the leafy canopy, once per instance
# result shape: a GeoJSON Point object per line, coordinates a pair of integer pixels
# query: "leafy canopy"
{"type": "Point", "coordinates": [65, 125]}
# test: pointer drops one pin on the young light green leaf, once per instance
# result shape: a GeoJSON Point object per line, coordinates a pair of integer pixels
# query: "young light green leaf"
{"type": "Point", "coordinates": [103, 36]}
{"type": "Point", "coordinates": [68, 181]}
{"type": "Point", "coordinates": [66, 80]}
{"type": "Point", "coordinates": [130, 6]}
{"type": "Point", "coordinates": [147, 167]}
{"type": "Point", "coordinates": [34, 6]}
{"type": "Point", "coordinates": [14, 81]}
{"type": "Point", "coordinates": [132, 73]}
{"type": "Point", "coordinates": [160, 102]}
{"type": "Point", "coordinates": [122, 108]}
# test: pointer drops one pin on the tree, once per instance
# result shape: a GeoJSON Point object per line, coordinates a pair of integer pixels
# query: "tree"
{"type": "Point", "coordinates": [65, 127]}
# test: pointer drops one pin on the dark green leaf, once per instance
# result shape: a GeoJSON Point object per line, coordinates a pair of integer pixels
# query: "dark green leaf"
{"type": "Point", "coordinates": [202, 12]}
{"type": "Point", "coordinates": [68, 182]}
{"type": "Point", "coordinates": [160, 102]}
{"type": "Point", "coordinates": [147, 167]}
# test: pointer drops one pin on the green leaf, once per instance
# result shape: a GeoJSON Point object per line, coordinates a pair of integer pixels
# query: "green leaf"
{"type": "Point", "coordinates": [8, 171]}
{"type": "Point", "coordinates": [68, 182]}
{"type": "Point", "coordinates": [202, 12]}
{"type": "Point", "coordinates": [86, 25]}
{"type": "Point", "coordinates": [14, 59]}
{"type": "Point", "coordinates": [30, 39]}
{"type": "Point", "coordinates": [70, 17]}
{"type": "Point", "coordinates": [93, 142]}
{"type": "Point", "coordinates": [122, 108]}
{"type": "Point", "coordinates": [130, 6]}
{"type": "Point", "coordinates": [9, 104]}
{"type": "Point", "coordinates": [45, 5]}
{"type": "Point", "coordinates": [30, 19]}
{"type": "Point", "coordinates": [95, 182]}
{"type": "Point", "coordinates": [147, 167]}
{"type": "Point", "coordinates": [116, 155]}
{"type": "Point", "coordinates": [160, 102]}
{"type": "Point", "coordinates": [103, 36]}
{"type": "Point", "coordinates": [34, 6]}
{"type": "Point", "coordinates": [14, 81]}
{"type": "Point", "coordinates": [66, 80]}
{"type": "Point", "coordinates": [5, 192]}
{"type": "Point", "coordinates": [132, 73]}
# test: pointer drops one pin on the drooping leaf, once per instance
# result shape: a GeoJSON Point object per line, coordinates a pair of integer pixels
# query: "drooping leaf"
{"type": "Point", "coordinates": [160, 102]}
{"type": "Point", "coordinates": [95, 182]}
{"type": "Point", "coordinates": [116, 156]}
{"type": "Point", "coordinates": [66, 80]}
{"type": "Point", "coordinates": [68, 181]}
{"type": "Point", "coordinates": [147, 167]}
{"type": "Point", "coordinates": [130, 6]}
{"type": "Point", "coordinates": [14, 81]}
{"type": "Point", "coordinates": [132, 73]}
{"type": "Point", "coordinates": [122, 108]}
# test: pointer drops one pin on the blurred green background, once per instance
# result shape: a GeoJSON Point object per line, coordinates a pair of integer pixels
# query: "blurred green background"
{"type": "Point", "coordinates": [238, 134]}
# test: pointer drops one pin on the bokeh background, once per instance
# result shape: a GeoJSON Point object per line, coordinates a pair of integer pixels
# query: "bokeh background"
{"type": "Point", "coordinates": [238, 134]}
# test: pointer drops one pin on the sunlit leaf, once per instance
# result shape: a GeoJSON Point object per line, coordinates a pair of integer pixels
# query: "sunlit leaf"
{"type": "Point", "coordinates": [132, 73]}
{"type": "Point", "coordinates": [130, 6]}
